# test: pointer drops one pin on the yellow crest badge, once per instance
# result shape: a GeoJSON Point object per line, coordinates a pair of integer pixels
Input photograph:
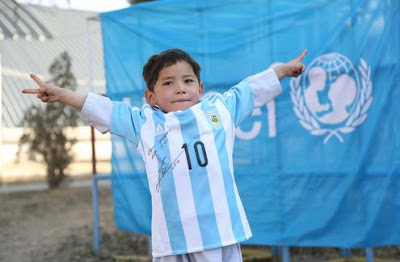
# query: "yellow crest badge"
{"type": "Point", "coordinates": [214, 118]}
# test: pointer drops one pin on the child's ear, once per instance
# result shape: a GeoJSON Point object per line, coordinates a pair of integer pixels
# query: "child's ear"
{"type": "Point", "coordinates": [150, 97]}
{"type": "Point", "coordinates": [201, 88]}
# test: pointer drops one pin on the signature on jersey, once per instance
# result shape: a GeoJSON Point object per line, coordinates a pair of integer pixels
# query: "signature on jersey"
{"type": "Point", "coordinates": [165, 167]}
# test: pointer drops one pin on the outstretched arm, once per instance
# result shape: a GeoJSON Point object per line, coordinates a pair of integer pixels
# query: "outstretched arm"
{"type": "Point", "coordinates": [292, 68]}
{"type": "Point", "coordinates": [49, 93]}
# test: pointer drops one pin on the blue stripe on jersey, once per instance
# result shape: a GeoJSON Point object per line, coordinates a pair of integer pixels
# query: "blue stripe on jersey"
{"type": "Point", "coordinates": [199, 180]}
{"type": "Point", "coordinates": [168, 193]}
{"type": "Point", "coordinates": [220, 137]}
{"type": "Point", "coordinates": [125, 122]}
{"type": "Point", "coordinates": [240, 102]}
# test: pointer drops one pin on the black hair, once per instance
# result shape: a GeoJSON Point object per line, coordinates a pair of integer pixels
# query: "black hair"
{"type": "Point", "coordinates": [169, 57]}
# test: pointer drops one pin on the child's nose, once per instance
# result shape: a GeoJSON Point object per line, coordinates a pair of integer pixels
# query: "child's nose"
{"type": "Point", "coordinates": [181, 88]}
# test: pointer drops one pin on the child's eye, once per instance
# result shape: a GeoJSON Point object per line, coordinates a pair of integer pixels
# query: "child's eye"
{"type": "Point", "coordinates": [168, 83]}
{"type": "Point", "coordinates": [189, 81]}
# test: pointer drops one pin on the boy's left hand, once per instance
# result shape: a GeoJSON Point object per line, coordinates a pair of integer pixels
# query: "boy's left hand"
{"type": "Point", "coordinates": [292, 68]}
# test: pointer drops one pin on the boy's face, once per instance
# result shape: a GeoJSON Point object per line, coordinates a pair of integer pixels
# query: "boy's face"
{"type": "Point", "coordinates": [177, 88]}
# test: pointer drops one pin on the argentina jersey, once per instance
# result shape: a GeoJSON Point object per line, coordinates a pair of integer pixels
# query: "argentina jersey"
{"type": "Point", "coordinates": [189, 166]}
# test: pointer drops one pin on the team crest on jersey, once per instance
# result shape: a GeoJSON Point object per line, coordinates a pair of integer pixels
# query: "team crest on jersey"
{"type": "Point", "coordinates": [332, 98]}
{"type": "Point", "coordinates": [214, 118]}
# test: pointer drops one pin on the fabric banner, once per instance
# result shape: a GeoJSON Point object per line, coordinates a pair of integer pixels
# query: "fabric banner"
{"type": "Point", "coordinates": [320, 165]}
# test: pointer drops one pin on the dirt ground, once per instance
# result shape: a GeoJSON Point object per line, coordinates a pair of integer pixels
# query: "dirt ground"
{"type": "Point", "coordinates": [57, 226]}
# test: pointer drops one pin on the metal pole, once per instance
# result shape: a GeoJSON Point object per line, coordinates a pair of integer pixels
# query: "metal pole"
{"type": "Point", "coordinates": [286, 254]}
{"type": "Point", "coordinates": [96, 217]}
{"type": "Point", "coordinates": [93, 141]}
{"type": "Point", "coordinates": [96, 222]}
{"type": "Point", "coordinates": [369, 254]}
{"type": "Point", "coordinates": [95, 196]}
{"type": "Point", "coordinates": [89, 52]}
{"type": "Point", "coordinates": [149, 245]}
{"type": "Point", "coordinates": [90, 84]}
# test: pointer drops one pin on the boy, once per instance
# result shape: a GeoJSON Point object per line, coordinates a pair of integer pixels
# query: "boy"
{"type": "Point", "coordinates": [187, 144]}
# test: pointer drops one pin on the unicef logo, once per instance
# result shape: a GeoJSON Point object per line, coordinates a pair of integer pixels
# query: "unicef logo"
{"type": "Point", "coordinates": [332, 98]}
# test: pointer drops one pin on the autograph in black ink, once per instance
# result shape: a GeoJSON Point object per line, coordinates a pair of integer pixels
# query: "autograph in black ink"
{"type": "Point", "coordinates": [164, 169]}
{"type": "Point", "coordinates": [152, 152]}
{"type": "Point", "coordinates": [161, 142]}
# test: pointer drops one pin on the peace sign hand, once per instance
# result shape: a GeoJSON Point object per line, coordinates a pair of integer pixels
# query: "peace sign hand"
{"type": "Point", "coordinates": [46, 93]}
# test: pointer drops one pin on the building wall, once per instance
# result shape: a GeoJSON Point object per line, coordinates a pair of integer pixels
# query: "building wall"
{"type": "Point", "coordinates": [53, 31]}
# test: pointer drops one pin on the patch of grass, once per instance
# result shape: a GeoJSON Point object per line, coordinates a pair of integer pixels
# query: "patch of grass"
{"type": "Point", "coordinates": [359, 259]}
{"type": "Point", "coordinates": [131, 258]}
{"type": "Point", "coordinates": [123, 243]}
{"type": "Point", "coordinates": [261, 254]}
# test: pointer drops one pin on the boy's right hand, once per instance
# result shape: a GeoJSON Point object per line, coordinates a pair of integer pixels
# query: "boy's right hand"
{"type": "Point", "coordinates": [51, 93]}
{"type": "Point", "coordinates": [46, 92]}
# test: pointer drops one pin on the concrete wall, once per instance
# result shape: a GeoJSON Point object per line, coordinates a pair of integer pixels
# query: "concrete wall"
{"type": "Point", "coordinates": [28, 170]}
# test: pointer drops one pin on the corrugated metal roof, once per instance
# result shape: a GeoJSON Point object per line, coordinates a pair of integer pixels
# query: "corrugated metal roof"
{"type": "Point", "coordinates": [16, 22]}
{"type": "Point", "coordinates": [43, 33]}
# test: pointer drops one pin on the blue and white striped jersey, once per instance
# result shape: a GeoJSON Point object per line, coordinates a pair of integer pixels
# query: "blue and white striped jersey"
{"type": "Point", "coordinates": [188, 159]}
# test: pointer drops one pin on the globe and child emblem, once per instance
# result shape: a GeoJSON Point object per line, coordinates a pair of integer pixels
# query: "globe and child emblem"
{"type": "Point", "coordinates": [332, 98]}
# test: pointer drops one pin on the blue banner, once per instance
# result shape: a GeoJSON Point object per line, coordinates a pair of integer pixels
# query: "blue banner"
{"type": "Point", "coordinates": [320, 165]}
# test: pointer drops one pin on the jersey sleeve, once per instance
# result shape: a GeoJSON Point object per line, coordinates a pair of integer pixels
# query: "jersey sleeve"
{"type": "Point", "coordinates": [96, 111]}
{"type": "Point", "coordinates": [125, 121]}
{"type": "Point", "coordinates": [117, 118]}
{"type": "Point", "coordinates": [252, 92]}
{"type": "Point", "coordinates": [265, 86]}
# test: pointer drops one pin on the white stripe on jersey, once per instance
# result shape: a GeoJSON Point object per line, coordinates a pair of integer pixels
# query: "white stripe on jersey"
{"type": "Point", "coordinates": [183, 186]}
{"type": "Point", "coordinates": [160, 233]}
{"type": "Point", "coordinates": [229, 128]}
{"type": "Point", "coordinates": [216, 181]}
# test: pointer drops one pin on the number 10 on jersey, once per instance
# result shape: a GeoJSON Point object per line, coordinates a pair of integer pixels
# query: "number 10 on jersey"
{"type": "Point", "coordinates": [200, 152]}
